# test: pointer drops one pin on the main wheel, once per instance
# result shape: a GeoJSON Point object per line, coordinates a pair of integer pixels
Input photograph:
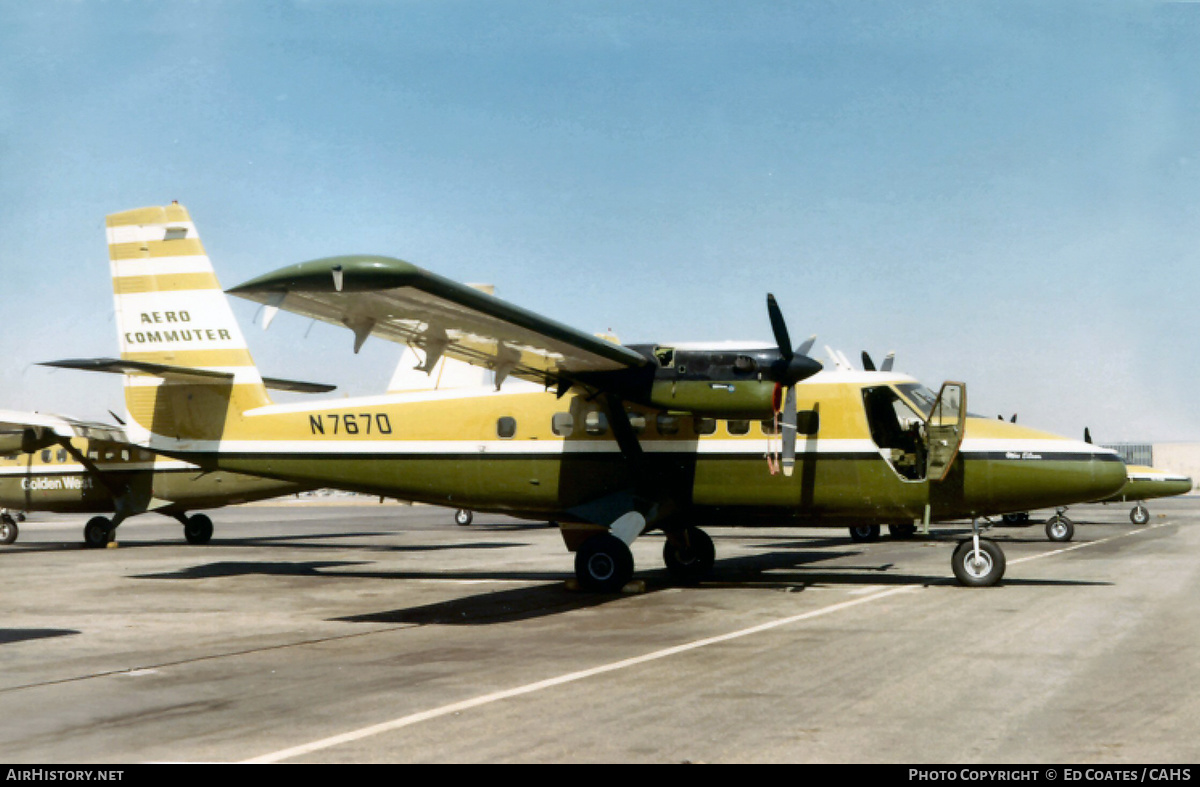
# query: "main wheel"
{"type": "Point", "coordinates": [8, 530]}
{"type": "Point", "coordinates": [863, 533]}
{"type": "Point", "coordinates": [603, 564]}
{"type": "Point", "coordinates": [98, 532]}
{"type": "Point", "coordinates": [1140, 515]}
{"type": "Point", "coordinates": [463, 517]}
{"type": "Point", "coordinates": [689, 556]}
{"type": "Point", "coordinates": [198, 529]}
{"type": "Point", "coordinates": [978, 570]}
{"type": "Point", "coordinates": [1059, 528]}
{"type": "Point", "coordinates": [902, 531]}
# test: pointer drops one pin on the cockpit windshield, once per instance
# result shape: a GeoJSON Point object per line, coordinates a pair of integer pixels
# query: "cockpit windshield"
{"type": "Point", "coordinates": [919, 397]}
{"type": "Point", "coordinates": [922, 398]}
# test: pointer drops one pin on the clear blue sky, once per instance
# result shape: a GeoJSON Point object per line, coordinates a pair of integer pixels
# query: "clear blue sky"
{"type": "Point", "coordinates": [1006, 193]}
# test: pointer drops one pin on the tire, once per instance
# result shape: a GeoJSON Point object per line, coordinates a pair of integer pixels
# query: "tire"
{"type": "Point", "coordinates": [693, 563]}
{"type": "Point", "coordinates": [987, 572]}
{"type": "Point", "coordinates": [1059, 528]}
{"type": "Point", "coordinates": [864, 533]}
{"type": "Point", "coordinates": [98, 532]}
{"type": "Point", "coordinates": [902, 531]}
{"type": "Point", "coordinates": [604, 564]}
{"type": "Point", "coordinates": [198, 529]}
{"type": "Point", "coordinates": [463, 517]}
{"type": "Point", "coordinates": [8, 531]}
{"type": "Point", "coordinates": [1140, 515]}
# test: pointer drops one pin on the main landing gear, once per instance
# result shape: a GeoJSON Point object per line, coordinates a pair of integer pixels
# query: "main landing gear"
{"type": "Point", "coordinates": [100, 531]}
{"type": "Point", "coordinates": [604, 562]}
{"type": "Point", "coordinates": [1140, 515]}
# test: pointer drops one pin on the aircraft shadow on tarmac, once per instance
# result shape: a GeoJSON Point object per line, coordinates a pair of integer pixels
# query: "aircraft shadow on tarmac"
{"type": "Point", "coordinates": [739, 573]}
{"type": "Point", "coordinates": [9, 636]}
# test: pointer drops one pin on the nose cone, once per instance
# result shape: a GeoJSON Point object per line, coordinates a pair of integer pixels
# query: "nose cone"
{"type": "Point", "coordinates": [1029, 469]}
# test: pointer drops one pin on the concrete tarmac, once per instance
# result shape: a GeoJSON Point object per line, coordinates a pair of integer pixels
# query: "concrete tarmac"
{"type": "Point", "coordinates": [386, 633]}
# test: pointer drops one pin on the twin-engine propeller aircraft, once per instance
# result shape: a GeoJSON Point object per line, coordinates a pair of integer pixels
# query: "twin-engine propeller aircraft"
{"type": "Point", "coordinates": [610, 441]}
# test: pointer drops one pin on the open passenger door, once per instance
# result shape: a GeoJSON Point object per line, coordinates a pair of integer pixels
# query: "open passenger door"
{"type": "Point", "coordinates": [944, 429]}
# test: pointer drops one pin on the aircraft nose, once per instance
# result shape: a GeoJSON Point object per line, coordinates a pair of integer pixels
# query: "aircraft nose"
{"type": "Point", "coordinates": [1050, 473]}
{"type": "Point", "coordinates": [1102, 473]}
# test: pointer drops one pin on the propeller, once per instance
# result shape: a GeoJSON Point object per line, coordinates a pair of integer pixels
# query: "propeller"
{"type": "Point", "coordinates": [792, 367]}
{"type": "Point", "coordinates": [1087, 436]}
{"type": "Point", "coordinates": [886, 366]}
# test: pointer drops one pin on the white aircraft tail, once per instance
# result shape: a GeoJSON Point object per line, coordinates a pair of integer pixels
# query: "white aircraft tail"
{"type": "Point", "coordinates": [171, 311]}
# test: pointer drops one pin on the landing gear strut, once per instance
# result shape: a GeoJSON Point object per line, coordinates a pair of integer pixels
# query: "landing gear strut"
{"type": "Point", "coordinates": [978, 562]}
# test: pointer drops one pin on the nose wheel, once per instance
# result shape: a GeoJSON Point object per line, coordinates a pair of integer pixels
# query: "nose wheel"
{"type": "Point", "coordinates": [1140, 515]}
{"type": "Point", "coordinates": [978, 562]}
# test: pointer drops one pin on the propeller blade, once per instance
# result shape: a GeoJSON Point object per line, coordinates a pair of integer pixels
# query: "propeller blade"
{"type": "Point", "coordinates": [868, 364]}
{"type": "Point", "coordinates": [1087, 436]}
{"type": "Point", "coordinates": [806, 345]}
{"type": "Point", "coordinates": [788, 428]}
{"type": "Point", "coordinates": [1013, 419]}
{"type": "Point", "coordinates": [779, 327]}
{"type": "Point", "coordinates": [888, 361]}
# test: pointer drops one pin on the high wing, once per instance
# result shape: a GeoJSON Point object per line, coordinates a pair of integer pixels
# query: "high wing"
{"type": "Point", "coordinates": [401, 302]}
{"type": "Point", "coordinates": [24, 431]}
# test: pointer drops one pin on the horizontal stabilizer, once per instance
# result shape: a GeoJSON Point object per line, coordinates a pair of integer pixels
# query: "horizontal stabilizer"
{"type": "Point", "coordinates": [182, 373]}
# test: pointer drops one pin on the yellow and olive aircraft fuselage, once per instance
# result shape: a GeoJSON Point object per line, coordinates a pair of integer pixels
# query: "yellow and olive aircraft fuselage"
{"type": "Point", "coordinates": [117, 480]}
{"type": "Point", "coordinates": [526, 452]}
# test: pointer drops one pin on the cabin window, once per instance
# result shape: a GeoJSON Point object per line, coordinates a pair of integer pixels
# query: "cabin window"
{"type": "Point", "coordinates": [705, 425]}
{"type": "Point", "coordinates": [563, 424]}
{"type": "Point", "coordinates": [506, 426]}
{"type": "Point", "coordinates": [768, 426]}
{"type": "Point", "coordinates": [667, 424]}
{"type": "Point", "coordinates": [595, 422]}
{"type": "Point", "coordinates": [61, 456]}
{"type": "Point", "coordinates": [808, 422]}
{"type": "Point", "coordinates": [637, 421]}
{"type": "Point", "coordinates": [738, 427]}
{"type": "Point", "coordinates": [46, 453]}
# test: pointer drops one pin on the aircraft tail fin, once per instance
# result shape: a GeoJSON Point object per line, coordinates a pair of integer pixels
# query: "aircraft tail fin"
{"type": "Point", "coordinates": [171, 311]}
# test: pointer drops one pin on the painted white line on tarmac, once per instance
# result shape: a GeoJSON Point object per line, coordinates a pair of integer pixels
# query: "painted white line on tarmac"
{"type": "Point", "coordinates": [1083, 544]}
{"type": "Point", "coordinates": [486, 699]}
{"type": "Point", "coordinates": [457, 707]}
